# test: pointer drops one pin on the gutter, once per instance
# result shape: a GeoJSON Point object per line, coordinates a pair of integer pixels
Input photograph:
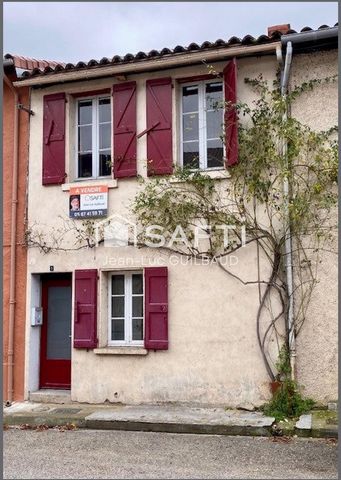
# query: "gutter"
{"type": "Point", "coordinates": [8, 62]}
{"type": "Point", "coordinates": [172, 61]}
{"type": "Point", "coordinates": [14, 203]}
{"type": "Point", "coordinates": [307, 41]}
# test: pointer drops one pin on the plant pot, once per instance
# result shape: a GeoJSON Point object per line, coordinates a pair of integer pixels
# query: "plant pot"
{"type": "Point", "coordinates": [274, 386]}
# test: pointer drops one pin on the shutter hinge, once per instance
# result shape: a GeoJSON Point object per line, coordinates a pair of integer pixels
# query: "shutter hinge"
{"type": "Point", "coordinates": [21, 107]}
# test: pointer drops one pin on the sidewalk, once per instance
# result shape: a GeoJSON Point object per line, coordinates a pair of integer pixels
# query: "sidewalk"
{"type": "Point", "coordinates": [168, 418]}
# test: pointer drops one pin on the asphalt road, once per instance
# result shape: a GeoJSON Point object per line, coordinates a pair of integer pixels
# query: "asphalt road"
{"type": "Point", "coordinates": [93, 454]}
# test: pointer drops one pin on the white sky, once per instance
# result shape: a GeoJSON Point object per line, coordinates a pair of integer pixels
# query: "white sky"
{"type": "Point", "coordinates": [73, 31]}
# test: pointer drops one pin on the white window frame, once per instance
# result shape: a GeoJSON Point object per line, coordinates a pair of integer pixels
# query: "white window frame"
{"type": "Point", "coordinates": [128, 306]}
{"type": "Point", "coordinates": [202, 124]}
{"type": "Point", "coordinates": [95, 136]}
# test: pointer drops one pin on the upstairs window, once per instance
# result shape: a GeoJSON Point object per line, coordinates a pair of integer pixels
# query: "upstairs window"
{"type": "Point", "coordinates": [94, 137]}
{"type": "Point", "coordinates": [202, 125]}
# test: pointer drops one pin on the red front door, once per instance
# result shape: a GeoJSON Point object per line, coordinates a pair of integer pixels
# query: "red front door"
{"type": "Point", "coordinates": [55, 347]}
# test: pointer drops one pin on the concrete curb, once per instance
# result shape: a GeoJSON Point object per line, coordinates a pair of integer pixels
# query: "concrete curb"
{"type": "Point", "coordinates": [160, 419]}
{"type": "Point", "coordinates": [179, 428]}
{"type": "Point", "coordinates": [35, 421]}
{"type": "Point", "coordinates": [53, 421]}
{"type": "Point", "coordinates": [16, 420]}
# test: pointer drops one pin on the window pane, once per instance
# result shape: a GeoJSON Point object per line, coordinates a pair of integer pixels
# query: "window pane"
{"type": "Point", "coordinates": [85, 112]}
{"type": "Point", "coordinates": [117, 329]}
{"type": "Point", "coordinates": [105, 135]}
{"type": "Point", "coordinates": [190, 99]}
{"type": "Point", "coordinates": [84, 165]}
{"type": "Point", "coordinates": [138, 306]}
{"type": "Point", "coordinates": [117, 285]}
{"type": "Point", "coordinates": [137, 329]}
{"type": "Point", "coordinates": [214, 95]}
{"type": "Point", "coordinates": [105, 164]}
{"type": "Point", "coordinates": [215, 153]}
{"type": "Point", "coordinates": [191, 154]}
{"type": "Point", "coordinates": [214, 121]}
{"type": "Point", "coordinates": [117, 307]}
{"type": "Point", "coordinates": [59, 323]}
{"type": "Point", "coordinates": [190, 126]}
{"type": "Point", "coordinates": [84, 139]}
{"type": "Point", "coordinates": [104, 110]}
{"type": "Point", "coordinates": [137, 283]}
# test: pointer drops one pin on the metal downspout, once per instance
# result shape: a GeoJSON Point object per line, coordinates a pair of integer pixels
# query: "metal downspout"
{"type": "Point", "coordinates": [288, 240]}
{"type": "Point", "coordinates": [14, 203]}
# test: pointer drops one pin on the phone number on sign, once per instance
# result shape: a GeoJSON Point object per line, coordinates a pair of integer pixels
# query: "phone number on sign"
{"type": "Point", "coordinates": [88, 213]}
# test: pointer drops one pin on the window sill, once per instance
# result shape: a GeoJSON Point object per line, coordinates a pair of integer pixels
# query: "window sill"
{"type": "Point", "coordinates": [121, 351]}
{"type": "Point", "coordinates": [112, 183]}
{"type": "Point", "coordinates": [220, 174]}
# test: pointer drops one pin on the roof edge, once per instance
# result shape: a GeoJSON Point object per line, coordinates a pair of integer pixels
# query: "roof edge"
{"type": "Point", "coordinates": [171, 61]}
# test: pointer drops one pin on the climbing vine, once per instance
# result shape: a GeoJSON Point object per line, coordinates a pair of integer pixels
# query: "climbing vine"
{"type": "Point", "coordinates": [273, 149]}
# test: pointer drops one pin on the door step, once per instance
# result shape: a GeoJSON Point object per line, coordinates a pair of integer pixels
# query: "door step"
{"type": "Point", "coordinates": [51, 396]}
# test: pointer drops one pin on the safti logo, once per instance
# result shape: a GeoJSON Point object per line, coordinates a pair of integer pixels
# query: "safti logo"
{"type": "Point", "coordinates": [116, 231]}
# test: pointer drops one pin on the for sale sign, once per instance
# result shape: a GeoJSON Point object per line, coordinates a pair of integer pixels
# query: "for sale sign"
{"type": "Point", "coordinates": [88, 202]}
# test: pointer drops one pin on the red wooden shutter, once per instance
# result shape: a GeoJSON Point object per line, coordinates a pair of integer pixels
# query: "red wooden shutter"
{"type": "Point", "coordinates": [85, 309]}
{"type": "Point", "coordinates": [124, 109]}
{"type": "Point", "coordinates": [156, 308]}
{"type": "Point", "coordinates": [159, 126]}
{"type": "Point", "coordinates": [231, 119]}
{"type": "Point", "coordinates": [54, 139]}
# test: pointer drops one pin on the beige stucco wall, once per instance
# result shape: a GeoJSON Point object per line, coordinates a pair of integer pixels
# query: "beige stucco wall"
{"type": "Point", "coordinates": [213, 356]}
{"type": "Point", "coordinates": [317, 345]}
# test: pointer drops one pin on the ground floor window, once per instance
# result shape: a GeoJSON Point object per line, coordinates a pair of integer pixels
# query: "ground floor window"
{"type": "Point", "coordinates": [126, 307]}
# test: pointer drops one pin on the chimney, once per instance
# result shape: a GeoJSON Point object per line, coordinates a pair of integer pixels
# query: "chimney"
{"type": "Point", "coordinates": [279, 28]}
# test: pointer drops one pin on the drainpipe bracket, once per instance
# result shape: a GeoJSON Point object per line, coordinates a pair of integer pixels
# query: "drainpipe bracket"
{"type": "Point", "coordinates": [22, 107]}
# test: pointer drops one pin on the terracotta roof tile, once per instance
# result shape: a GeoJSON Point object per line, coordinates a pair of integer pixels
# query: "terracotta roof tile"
{"type": "Point", "coordinates": [45, 67]}
{"type": "Point", "coordinates": [27, 63]}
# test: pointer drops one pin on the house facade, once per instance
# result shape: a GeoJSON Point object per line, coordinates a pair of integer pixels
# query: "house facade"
{"type": "Point", "coordinates": [116, 323]}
